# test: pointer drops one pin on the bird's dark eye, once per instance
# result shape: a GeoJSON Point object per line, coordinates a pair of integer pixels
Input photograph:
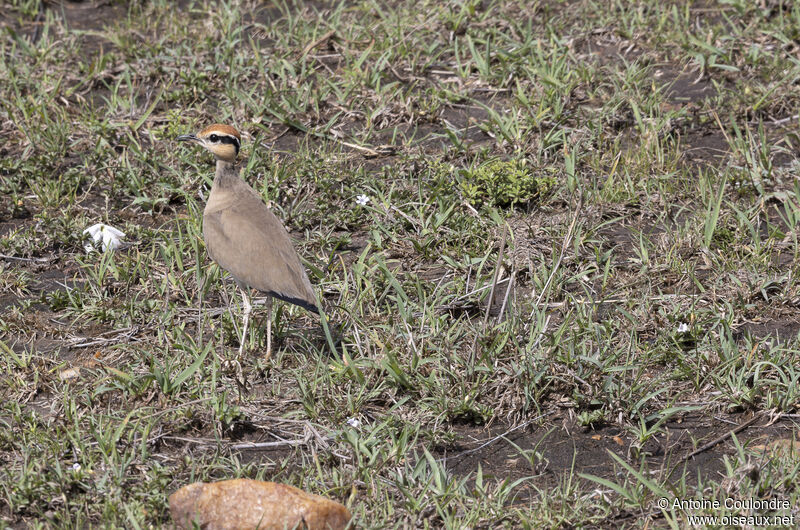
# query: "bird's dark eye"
{"type": "Point", "coordinates": [214, 138]}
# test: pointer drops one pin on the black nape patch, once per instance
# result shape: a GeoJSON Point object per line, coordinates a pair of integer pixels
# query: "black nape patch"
{"type": "Point", "coordinates": [227, 139]}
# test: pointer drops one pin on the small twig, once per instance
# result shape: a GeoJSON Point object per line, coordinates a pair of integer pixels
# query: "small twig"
{"type": "Point", "coordinates": [199, 441]}
{"type": "Point", "coordinates": [505, 298]}
{"type": "Point", "coordinates": [127, 333]}
{"type": "Point", "coordinates": [492, 440]}
{"type": "Point", "coordinates": [479, 289]}
{"type": "Point", "coordinates": [176, 407]}
{"type": "Point", "coordinates": [272, 445]}
{"type": "Point", "coordinates": [722, 438]}
{"type": "Point", "coordinates": [370, 152]}
{"type": "Point", "coordinates": [268, 445]}
{"type": "Point", "coordinates": [398, 76]}
{"type": "Point", "coordinates": [32, 260]}
{"type": "Point", "coordinates": [276, 419]}
{"type": "Point", "coordinates": [721, 128]}
{"type": "Point", "coordinates": [318, 42]}
{"type": "Point", "coordinates": [657, 298]}
{"type": "Point", "coordinates": [782, 120]}
{"type": "Point", "coordinates": [496, 275]}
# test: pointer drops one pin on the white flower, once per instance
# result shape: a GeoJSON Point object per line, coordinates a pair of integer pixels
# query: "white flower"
{"type": "Point", "coordinates": [362, 200]}
{"type": "Point", "coordinates": [354, 423]}
{"type": "Point", "coordinates": [76, 467]}
{"type": "Point", "coordinates": [108, 236]}
{"type": "Point", "coordinates": [683, 327]}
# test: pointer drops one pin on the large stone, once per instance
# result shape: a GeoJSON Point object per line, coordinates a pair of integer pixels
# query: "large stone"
{"type": "Point", "coordinates": [247, 504]}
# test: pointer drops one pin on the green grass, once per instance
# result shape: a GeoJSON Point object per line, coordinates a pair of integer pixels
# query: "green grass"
{"type": "Point", "coordinates": [629, 212]}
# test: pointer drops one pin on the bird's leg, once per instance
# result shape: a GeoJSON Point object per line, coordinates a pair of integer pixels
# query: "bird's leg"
{"type": "Point", "coordinates": [247, 308]}
{"type": "Point", "coordinates": [269, 328]}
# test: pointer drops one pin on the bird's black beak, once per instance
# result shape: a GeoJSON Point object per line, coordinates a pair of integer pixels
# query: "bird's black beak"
{"type": "Point", "coordinates": [187, 138]}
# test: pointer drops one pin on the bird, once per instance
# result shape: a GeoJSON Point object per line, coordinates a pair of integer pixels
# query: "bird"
{"type": "Point", "coordinates": [244, 237]}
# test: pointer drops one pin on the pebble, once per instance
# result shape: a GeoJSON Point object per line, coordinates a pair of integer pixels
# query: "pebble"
{"type": "Point", "coordinates": [241, 504]}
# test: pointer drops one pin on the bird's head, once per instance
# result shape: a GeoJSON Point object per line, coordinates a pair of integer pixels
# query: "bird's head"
{"type": "Point", "coordinates": [222, 140]}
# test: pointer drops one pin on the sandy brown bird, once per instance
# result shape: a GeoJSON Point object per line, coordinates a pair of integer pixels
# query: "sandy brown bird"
{"type": "Point", "coordinates": [244, 237]}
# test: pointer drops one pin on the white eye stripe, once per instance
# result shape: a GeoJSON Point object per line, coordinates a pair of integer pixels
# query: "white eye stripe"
{"type": "Point", "coordinates": [223, 138]}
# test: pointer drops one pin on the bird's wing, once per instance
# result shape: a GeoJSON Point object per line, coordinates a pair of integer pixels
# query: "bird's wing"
{"type": "Point", "coordinates": [249, 241]}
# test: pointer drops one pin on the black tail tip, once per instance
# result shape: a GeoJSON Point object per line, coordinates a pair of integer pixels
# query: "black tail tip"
{"type": "Point", "coordinates": [305, 304]}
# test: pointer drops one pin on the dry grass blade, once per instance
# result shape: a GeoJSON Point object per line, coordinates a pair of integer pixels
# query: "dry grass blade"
{"type": "Point", "coordinates": [495, 278]}
{"type": "Point", "coordinates": [564, 245]}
